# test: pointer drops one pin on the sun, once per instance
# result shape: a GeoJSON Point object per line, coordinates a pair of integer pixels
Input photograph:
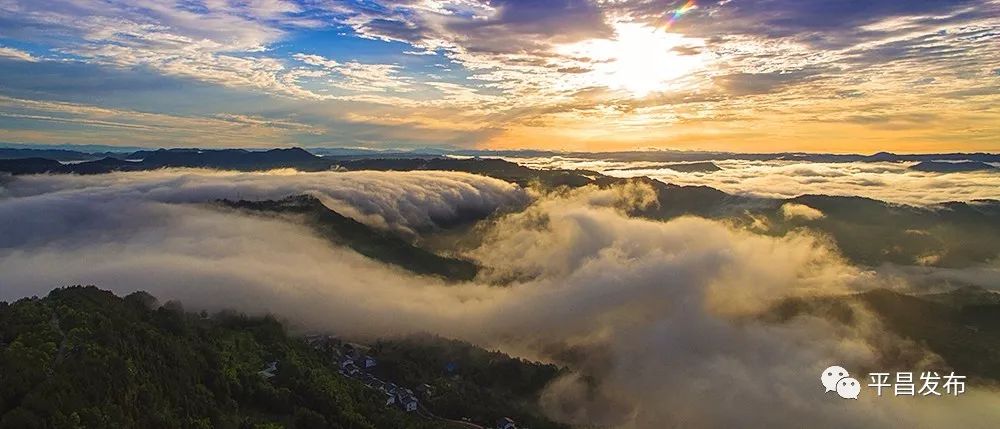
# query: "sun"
{"type": "Point", "coordinates": [639, 59]}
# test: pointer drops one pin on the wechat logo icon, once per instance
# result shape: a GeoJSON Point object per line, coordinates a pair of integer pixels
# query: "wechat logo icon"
{"type": "Point", "coordinates": [837, 379]}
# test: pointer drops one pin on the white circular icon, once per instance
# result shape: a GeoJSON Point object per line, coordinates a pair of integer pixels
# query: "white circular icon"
{"type": "Point", "coordinates": [848, 388]}
{"type": "Point", "coordinates": [831, 376]}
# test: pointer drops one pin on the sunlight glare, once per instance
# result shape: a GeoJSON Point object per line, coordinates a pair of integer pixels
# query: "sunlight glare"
{"type": "Point", "coordinates": [639, 60]}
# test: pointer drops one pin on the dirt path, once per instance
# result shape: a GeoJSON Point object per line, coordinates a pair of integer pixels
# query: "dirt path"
{"type": "Point", "coordinates": [61, 352]}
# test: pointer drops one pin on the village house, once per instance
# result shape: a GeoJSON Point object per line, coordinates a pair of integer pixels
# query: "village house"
{"type": "Point", "coordinates": [506, 423]}
{"type": "Point", "coordinates": [369, 362]}
{"type": "Point", "coordinates": [408, 402]}
{"type": "Point", "coordinates": [346, 362]}
{"type": "Point", "coordinates": [355, 364]}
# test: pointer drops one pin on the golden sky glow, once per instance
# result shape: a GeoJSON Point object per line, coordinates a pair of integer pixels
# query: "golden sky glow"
{"type": "Point", "coordinates": [910, 76]}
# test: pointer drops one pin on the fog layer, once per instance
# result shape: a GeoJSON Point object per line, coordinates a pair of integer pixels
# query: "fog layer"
{"type": "Point", "coordinates": [886, 181]}
{"type": "Point", "coordinates": [657, 319]}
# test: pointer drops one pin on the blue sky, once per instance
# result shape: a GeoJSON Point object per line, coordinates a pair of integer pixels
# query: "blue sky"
{"type": "Point", "coordinates": [830, 76]}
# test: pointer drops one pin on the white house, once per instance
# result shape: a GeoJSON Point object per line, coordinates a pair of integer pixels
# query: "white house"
{"type": "Point", "coordinates": [346, 362]}
{"type": "Point", "coordinates": [369, 362]}
{"type": "Point", "coordinates": [408, 402]}
{"type": "Point", "coordinates": [506, 423]}
{"type": "Point", "coordinates": [347, 367]}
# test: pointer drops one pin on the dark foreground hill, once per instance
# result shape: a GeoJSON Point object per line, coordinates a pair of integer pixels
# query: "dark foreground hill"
{"type": "Point", "coordinates": [84, 358]}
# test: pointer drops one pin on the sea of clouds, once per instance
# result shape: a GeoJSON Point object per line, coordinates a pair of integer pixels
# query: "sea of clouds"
{"type": "Point", "coordinates": [657, 319]}
{"type": "Point", "coordinates": [405, 202]}
{"type": "Point", "coordinates": [886, 181]}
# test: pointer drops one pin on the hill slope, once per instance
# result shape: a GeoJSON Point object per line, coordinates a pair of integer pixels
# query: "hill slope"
{"type": "Point", "coordinates": [83, 357]}
{"type": "Point", "coordinates": [372, 243]}
{"type": "Point", "coordinates": [963, 331]}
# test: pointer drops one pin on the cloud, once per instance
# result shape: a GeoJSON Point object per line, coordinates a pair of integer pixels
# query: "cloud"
{"type": "Point", "coordinates": [355, 76]}
{"type": "Point", "coordinates": [405, 202]}
{"type": "Point", "coordinates": [590, 74]}
{"type": "Point", "coordinates": [886, 181]}
{"type": "Point", "coordinates": [657, 317]}
{"type": "Point", "coordinates": [223, 43]}
{"type": "Point", "coordinates": [800, 211]}
{"type": "Point", "coordinates": [17, 54]}
{"type": "Point", "coordinates": [228, 129]}
{"type": "Point", "coordinates": [763, 83]}
{"type": "Point", "coordinates": [785, 62]}
{"type": "Point", "coordinates": [925, 279]}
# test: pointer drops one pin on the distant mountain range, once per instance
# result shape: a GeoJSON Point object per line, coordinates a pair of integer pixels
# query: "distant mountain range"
{"type": "Point", "coordinates": [229, 159]}
{"type": "Point", "coordinates": [691, 156]}
{"type": "Point", "coordinates": [53, 154]}
{"type": "Point", "coordinates": [689, 167]}
{"type": "Point", "coordinates": [91, 152]}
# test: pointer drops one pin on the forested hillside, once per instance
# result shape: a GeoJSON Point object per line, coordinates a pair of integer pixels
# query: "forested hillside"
{"type": "Point", "coordinates": [85, 358]}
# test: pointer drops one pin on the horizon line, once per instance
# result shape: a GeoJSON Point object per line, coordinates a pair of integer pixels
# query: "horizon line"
{"type": "Point", "coordinates": [416, 150]}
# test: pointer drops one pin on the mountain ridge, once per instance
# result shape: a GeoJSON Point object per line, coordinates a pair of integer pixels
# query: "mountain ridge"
{"type": "Point", "coordinates": [378, 245]}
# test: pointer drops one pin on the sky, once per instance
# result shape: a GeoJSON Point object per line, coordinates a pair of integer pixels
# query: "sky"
{"type": "Point", "coordinates": [737, 75]}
